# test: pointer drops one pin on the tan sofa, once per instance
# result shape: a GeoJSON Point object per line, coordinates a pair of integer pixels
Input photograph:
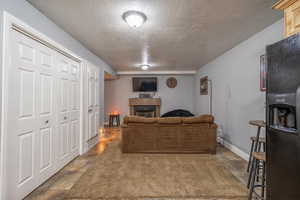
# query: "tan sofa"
{"type": "Point", "coordinates": [169, 135]}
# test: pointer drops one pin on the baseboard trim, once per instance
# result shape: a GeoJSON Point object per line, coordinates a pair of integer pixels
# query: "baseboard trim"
{"type": "Point", "coordinates": [234, 149]}
{"type": "Point", "coordinates": [90, 144]}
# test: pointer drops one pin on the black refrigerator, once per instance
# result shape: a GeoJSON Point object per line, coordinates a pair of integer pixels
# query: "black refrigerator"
{"type": "Point", "coordinates": [283, 119]}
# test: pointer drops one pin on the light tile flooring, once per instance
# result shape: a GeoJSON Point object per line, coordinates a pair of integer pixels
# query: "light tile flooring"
{"type": "Point", "coordinates": [62, 182]}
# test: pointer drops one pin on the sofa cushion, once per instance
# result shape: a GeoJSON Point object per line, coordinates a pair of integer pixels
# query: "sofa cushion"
{"type": "Point", "coordinates": [199, 119]}
{"type": "Point", "coordinates": [136, 119]}
{"type": "Point", "coordinates": [170, 120]}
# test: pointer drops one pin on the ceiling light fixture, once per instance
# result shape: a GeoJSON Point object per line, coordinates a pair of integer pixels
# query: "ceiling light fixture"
{"type": "Point", "coordinates": [145, 67]}
{"type": "Point", "coordinates": [134, 18]}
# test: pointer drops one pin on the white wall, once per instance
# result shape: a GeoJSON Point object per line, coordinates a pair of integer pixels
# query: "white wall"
{"type": "Point", "coordinates": [118, 91]}
{"type": "Point", "coordinates": [236, 94]}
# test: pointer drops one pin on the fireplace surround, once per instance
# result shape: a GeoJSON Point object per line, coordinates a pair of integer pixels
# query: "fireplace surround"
{"type": "Point", "coordinates": [144, 110]}
{"type": "Point", "coordinates": [146, 107]}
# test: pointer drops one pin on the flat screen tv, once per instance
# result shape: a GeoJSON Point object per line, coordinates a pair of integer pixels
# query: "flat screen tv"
{"type": "Point", "coordinates": [144, 84]}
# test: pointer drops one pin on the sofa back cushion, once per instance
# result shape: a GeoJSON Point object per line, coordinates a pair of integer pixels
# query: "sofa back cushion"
{"type": "Point", "coordinates": [199, 119]}
{"type": "Point", "coordinates": [137, 119]}
{"type": "Point", "coordinates": [170, 120]}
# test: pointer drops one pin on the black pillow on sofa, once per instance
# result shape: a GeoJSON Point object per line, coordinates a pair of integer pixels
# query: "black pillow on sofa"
{"type": "Point", "coordinates": [178, 113]}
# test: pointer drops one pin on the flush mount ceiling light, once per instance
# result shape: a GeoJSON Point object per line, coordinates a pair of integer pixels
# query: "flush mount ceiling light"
{"type": "Point", "coordinates": [134, 18]}
{"type": "Point", "coordinates": [145, 67]}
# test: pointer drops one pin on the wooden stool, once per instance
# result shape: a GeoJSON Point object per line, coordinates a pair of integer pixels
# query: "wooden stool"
{"type": "Point", "coordinates": [258, 176]}
{"type": "Point", "coordinates": [261, 143]}
{"type": "Point", "coordinates": [259, 124]}
{"type": "Point", "coordinates": [112, 118]}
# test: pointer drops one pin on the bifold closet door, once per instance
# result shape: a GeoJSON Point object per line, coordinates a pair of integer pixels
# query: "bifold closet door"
{"type": "Point", "coordinates": [97, 101]}
{"type": "Point", "coordinates": [74, 108]}
{"type": "Point", "coordinates": [31, 115]}
{"type": "Point", "coordinates": [93, 101]}
{"type": "Point", "coordinates": [68, 109]}
{"type": "Point", "coordinates": [37, 92]}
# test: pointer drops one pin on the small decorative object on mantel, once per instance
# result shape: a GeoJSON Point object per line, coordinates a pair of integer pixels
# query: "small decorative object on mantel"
{"type": "Point", "coordinates": [204, 86]}
{"type": "Point", "coordinates": [263, 72]}
{"type": "Point", "coordinates": [171, 82]}
{"type": "Point", "coordinates": [145, 95]}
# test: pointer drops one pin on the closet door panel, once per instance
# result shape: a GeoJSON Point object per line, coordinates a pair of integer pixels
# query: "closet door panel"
{"type": "Point", "coordinates": [74, 136]}
{"type": "Point", "coordinates": [74, 107]}
{"type": "Point", "coordinates": [63, 141]}
{"type": "Point", "coordinates": [25, 89]}
{"type": "Point", "coordinates": [46, 111]}
{"type": "Point", "coordinates": [74, 118]}
{"type": "Point", "coordinates": [63, 108]}
{"type": "Point", "coordinates": [91, 101]}
{"type": "Point", "coordinates": [97, 120]}
{"type": "Point", "coordinates": [91, 87]}
{"type": "Point", "coordinates": [26, 157]}
{"type": "Point", "coordinates": [97, 102]}
{"type": "Point", "coordinates": [27, 93]}
{"type": "Point", "coordinates": [22, 118]}
{"type": "Point", "coordinates": [91, 124]}
{"type": "Point", "coordinates": [64, 90]}
{"type": "Point", "coordinates": [63, 120]}
{"type": "Point", "coordinates": [75, 71]}
{"type": "Point", "coordinates": [46, 148]}
{"type": "Point", "coordinates": [46, 92]}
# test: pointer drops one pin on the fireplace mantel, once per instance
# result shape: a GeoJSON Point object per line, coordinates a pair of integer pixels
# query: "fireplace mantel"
{"type": "Point", "coordinates": [145, 102]}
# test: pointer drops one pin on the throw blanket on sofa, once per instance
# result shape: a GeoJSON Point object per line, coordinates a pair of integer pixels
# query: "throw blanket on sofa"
{"type": "Point", "coordinates": [178, 113]}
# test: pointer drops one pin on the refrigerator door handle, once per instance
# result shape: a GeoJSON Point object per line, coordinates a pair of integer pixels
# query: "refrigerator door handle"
{"type": "Point", "coordinates": [298, 109]}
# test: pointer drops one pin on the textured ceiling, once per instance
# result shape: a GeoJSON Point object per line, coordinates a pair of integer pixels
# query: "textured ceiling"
{"type": "Point", "coordinates": [178, 35]}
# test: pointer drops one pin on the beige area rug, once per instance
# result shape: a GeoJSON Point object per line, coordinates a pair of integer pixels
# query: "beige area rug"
{"type": "Point", "coordinates": [117, 175]}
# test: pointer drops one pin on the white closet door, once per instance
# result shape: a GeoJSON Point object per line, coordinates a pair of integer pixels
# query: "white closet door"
{"type": "Point", "coordinates": [97, 101]}
{"type": "Point", "coordinates": [30, 115]}
{"type": "Point", "coordinates": [63, 109]}
{"type": "Point", "coordinates": [69, 109]}
{"type": "Point", "coordinates": [43, 114]}
{"type": "Point", "coordinates": [46, 89]}
{"type": "Point", "coordinates": [93, 100]}
{"type": "Point", "coordinates": [74, 108]}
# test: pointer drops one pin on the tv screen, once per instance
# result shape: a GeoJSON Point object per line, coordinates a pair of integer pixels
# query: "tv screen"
{"type": "Point", "coordinates": [147, 84]}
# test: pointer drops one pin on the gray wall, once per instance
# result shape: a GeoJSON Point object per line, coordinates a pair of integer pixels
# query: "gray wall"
{"type": "Point", "coordinates": [117, 92]}
{"type": "Point", "coordinates": [236, 90]}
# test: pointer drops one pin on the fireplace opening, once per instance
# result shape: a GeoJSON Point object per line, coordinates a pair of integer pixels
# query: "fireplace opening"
{"type": "Point", "coordinates": [145, 110]}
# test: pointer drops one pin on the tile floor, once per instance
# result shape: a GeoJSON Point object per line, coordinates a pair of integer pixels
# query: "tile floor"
{"type": "Point", "coordinates": [62, 182]}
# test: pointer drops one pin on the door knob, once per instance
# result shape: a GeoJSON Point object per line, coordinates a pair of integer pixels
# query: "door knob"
{"type": "Point", "coordinates": [47, 121]}
{"type": "Point", "coordinates": [90, 110]}
{"type": "Point", "coordinates": [65, 118]}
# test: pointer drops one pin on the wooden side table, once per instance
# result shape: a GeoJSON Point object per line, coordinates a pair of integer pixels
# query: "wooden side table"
{"type": "Point", "coordinates": [114, 118]}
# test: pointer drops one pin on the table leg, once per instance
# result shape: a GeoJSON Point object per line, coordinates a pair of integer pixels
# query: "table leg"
{"type": "Point", "coordinates": [257, 139]}
{"type": "Point", "coordinates": [255, 150]}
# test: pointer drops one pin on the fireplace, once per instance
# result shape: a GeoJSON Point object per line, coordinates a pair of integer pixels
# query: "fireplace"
{"type": "Point", "coordinates": [145, 107]}
{"type": "Point", "coordinates": [144, 110]}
